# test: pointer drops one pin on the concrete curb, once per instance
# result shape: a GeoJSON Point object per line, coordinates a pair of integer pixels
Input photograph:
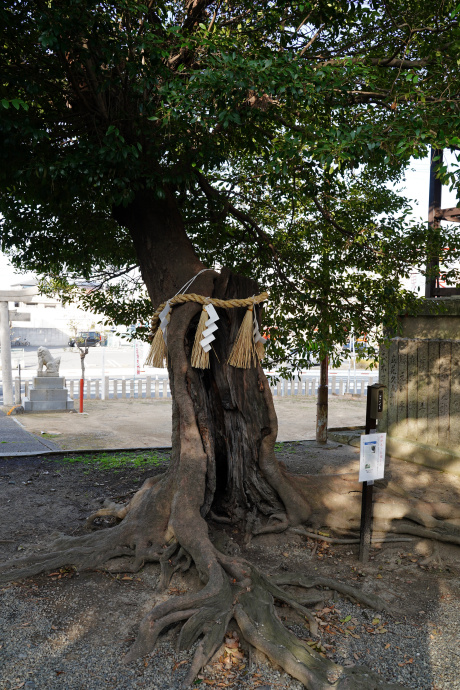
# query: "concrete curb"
{"type": "Point", "coordinates": [96, 451]}
{"type": "Point", "coordinates": [348, 435]}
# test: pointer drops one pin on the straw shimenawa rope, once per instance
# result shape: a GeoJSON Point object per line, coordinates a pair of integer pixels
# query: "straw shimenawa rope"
{"type": "Point", "coordinates": [192, 297]}
{"type": "Point", "coordinates": [157, 349]}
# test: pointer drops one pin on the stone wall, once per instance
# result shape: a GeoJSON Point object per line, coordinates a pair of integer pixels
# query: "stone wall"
{"type": "Point", "coordinates": [422, 400]}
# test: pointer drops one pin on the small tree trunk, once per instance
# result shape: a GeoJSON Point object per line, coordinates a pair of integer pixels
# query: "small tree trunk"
{"type": "Point", "coordinates": [322, 403]}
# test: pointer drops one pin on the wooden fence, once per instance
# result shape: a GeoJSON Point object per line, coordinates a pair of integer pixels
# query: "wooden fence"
{"type": "Point", "coordinates": [157, 387]}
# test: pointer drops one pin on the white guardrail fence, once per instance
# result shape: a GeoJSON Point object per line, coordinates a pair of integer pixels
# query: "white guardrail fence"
{"type": "Point", "coordinates": [157, 387]}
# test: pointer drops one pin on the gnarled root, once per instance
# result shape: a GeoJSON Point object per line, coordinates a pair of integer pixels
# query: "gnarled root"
{"type": "Point", "coordinates": [237, 590]}
{"type": "Point", "coordinates": [259, 624]}
{"type": "Point", "coordinates": [139, 537]}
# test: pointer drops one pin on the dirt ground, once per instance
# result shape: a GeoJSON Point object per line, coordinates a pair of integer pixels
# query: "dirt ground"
{"type": "Point", "coordinates": [41, 496]}
{"type": "Point", "coordinates": [147, 423]}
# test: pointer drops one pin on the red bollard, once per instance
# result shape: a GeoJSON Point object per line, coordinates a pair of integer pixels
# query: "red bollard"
{"type": "Point", "coordinates": [81, 394]}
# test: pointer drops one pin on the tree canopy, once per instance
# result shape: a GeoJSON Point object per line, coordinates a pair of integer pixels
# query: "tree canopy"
{"type": "Point", "coordinates": [260, 137]}
{"type": "Point", "coordinates": [278, 128]}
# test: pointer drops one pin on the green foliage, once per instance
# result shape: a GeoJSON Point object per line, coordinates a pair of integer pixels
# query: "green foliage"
{"type": "Point", "coordinates": [277, 127]}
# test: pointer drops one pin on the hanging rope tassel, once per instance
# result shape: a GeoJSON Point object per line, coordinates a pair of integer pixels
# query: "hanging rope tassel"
{"type": "Point", "coordinates": [200, 358]}
{"type": "Point", "coordinates": [158, 352]}
{"type": "Point", "coordinates": [243, 354]}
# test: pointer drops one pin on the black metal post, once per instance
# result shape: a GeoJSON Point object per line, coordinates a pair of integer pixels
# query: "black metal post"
{"type": "Point", "coordinates": [366, 499]}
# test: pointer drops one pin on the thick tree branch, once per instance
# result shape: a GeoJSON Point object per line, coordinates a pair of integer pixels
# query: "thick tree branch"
{"type": "Point", "coordinates": [249, 223]}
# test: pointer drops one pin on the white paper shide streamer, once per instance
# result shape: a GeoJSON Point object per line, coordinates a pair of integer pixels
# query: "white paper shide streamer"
{"type": "Point", "coordinates": [259, 340]}
{"type": "Point", "coordinates": [211, 326]}
{"type": "Point", "coordinates": [164, 321]}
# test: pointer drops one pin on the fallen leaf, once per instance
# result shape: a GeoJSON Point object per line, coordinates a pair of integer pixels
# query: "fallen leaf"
{"type": "Point", "coordinates": [127, 577]}
{"type": "Point", "coordinates": [387, 646]}
{"type": "Point", "coordinates": [375, 621]}
{"type": "Point", "coordinates": [238, 654]}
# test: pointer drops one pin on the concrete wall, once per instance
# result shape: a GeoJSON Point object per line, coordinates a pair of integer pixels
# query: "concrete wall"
{"type": "Point", "coordinates": [422, 400]}
{"type": "Point", "coordinates": [438, 318]}
{"type": "Point", "coordinates": [41, 336]}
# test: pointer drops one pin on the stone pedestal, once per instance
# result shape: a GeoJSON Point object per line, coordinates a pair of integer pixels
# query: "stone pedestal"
{"type": "Point", "coordinates": [47, 394]}
{"type": "Point", "coordinates": [421, 372]}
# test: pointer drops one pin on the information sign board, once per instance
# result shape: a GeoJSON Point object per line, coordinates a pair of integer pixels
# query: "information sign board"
{"type": "Point", "coordinates": [372, 457]}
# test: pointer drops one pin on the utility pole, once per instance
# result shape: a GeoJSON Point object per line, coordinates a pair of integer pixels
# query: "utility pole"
{"type": "Point", "coordinates": [434, 205]}
{"type": "Point", "coordinates": [435, 215]}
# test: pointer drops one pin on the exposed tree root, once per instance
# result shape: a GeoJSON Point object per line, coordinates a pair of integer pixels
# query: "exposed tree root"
{"type": "Point", "coordinates": [260, 626]}
{"type": "Point", "coordinates": [372, 601]}
{"type": "Point", "coordinates": [232, 588]}
{"type": "Point", "coordinates": [352, 540]}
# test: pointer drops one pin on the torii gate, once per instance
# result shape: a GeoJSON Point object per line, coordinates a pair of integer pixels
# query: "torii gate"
{"type": "Point", "coordinates": [26, 295]}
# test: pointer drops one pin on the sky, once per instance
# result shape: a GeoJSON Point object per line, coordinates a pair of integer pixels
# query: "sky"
{"type": "Point", "coordinates": [416, 188]}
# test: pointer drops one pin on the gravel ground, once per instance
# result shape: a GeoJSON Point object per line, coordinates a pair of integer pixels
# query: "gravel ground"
{"type": "Point", "coordinates": [69, 631]}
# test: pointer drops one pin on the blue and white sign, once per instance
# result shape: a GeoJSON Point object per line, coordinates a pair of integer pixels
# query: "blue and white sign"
{"type": "Point", "coordinates": [372, 457]}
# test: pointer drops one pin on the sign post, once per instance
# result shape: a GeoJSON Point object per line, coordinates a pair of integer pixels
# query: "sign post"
{"type": "Point", "coordinates": [371, 464]}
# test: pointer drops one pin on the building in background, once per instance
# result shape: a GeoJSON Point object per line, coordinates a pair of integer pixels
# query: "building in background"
{"type": "Point", "coordinates": [51, 323]}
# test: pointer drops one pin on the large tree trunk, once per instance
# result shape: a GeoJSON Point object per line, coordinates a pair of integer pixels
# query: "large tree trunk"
{"type": "Point", "coordinates": [223, 417]}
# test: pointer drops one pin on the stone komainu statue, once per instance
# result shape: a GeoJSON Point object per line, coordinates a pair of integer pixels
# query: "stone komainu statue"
{"type": "Point", "coordinates": [48, 362]}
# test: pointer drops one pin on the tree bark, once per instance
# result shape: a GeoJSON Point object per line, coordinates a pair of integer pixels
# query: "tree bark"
{"type": "Point", "coordinates": [229, 410]}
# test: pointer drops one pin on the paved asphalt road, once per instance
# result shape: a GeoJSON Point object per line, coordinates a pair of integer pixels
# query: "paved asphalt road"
{"type": "Point", "coordinates": [15, 439]}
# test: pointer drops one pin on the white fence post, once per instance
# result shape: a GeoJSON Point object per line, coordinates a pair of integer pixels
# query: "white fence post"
{"type": "Point", "coordinates": [332, 389]}
{"type": "Point", "coordinates": [17, 390]}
